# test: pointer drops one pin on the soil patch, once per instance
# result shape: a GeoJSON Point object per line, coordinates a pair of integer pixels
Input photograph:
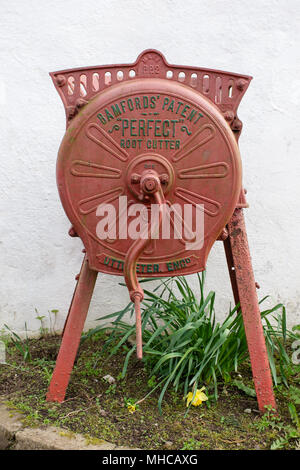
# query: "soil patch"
{"type": "Point", "coordinates": [99, 409]}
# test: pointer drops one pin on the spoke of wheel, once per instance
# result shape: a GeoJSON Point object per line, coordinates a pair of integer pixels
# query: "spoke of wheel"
{"type": "Point", "coordinates": [96, 139]}
{"type": "Point", "coordinates": [112, 195]}
{"type": "Point", "coordinates": [186, 228]}
{"type": "Point", "coordinates": [189, 173]}
{"type": "Point", "coordinates": [206, 138]}
{"type": "Point", "coordinates": [202, 199]}
{"type": "Point", "coordinates": [106, 171]}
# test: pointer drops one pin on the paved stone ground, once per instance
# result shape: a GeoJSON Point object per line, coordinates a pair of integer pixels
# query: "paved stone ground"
{"type": "Point", "coordinates": [14, 435]}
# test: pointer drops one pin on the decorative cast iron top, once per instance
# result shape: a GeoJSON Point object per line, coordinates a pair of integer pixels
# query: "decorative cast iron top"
{"type": "Point", "coordinates": [78, 86]}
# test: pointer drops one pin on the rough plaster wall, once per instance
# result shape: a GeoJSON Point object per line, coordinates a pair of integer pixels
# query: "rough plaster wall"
{"type": "Point", "coordinates": [38, 259]}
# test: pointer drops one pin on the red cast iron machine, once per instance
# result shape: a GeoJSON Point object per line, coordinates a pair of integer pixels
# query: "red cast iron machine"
{"type": "Point", "coordinates": [158, 134]}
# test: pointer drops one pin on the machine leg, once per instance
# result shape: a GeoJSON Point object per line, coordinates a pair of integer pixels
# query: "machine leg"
{"type": "Point", "coordinates": [242, 276]}
{"type": "Point", "coordinates": [72, 332]}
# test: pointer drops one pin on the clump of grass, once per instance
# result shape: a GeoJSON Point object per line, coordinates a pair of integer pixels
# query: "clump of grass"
{"type": "Point", "coordinates": [21, 345]}
{"type": "Point", "coordinates": [183, 343]}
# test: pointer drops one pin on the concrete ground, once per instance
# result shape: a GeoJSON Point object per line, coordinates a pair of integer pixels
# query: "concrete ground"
{"type": "Point", "coordinates": [15, 436]}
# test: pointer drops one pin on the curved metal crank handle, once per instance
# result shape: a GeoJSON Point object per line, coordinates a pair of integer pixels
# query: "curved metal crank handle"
{"type": "Point", "coordinates": [150, 190]}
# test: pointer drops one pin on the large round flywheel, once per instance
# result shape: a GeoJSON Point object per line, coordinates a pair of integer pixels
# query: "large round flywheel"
{"type": "Point", "coordinates": [128, 130]}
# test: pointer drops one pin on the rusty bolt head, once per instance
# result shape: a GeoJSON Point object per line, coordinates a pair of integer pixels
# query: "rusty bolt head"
{"type": "Point", "coordinates": [72, 232]}
{"type": "Point", "coordinates": [60, 80]}
{"type": "Point", "coordinates": [81, 102]}
{"type": "Point", "coordinates": [149, 184]}
{"type": "Point", "coordinates": [224, 234]}
{"type": "Point", "coordinates": [135, 178]}
{"type": "Point", "coordinates": [164, 178]}
{"type": "Point", "coordinates": [229, 115]}
{"type": "Point", "coordinates": [241, 84]}
{"type": "Point", "coordinates": [71, 110]}
{"type": "Point", "coordinates": [236, 125]}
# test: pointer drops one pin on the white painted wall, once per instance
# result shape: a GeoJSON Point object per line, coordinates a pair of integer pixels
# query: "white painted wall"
{"type": "Point", "coordinates": [38, 259]}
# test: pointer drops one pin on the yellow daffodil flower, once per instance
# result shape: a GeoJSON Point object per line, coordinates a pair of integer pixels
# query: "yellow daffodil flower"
{"type": "Point", "coordinates": [198, 398]}
{"type": "Point", "coordinates": [131, 408]}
